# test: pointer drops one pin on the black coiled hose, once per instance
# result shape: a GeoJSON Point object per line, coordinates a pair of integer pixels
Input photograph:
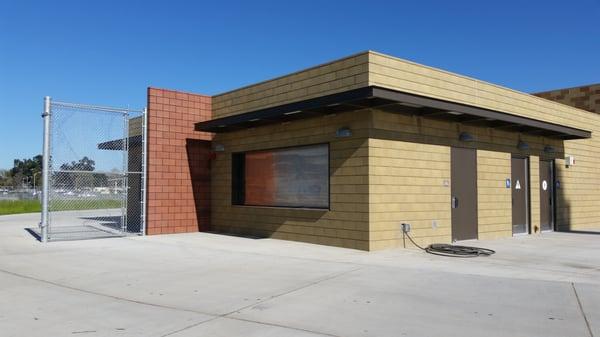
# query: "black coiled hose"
{"type": "Point", "coordinates": [443, 249]}
{"type": "Point", "coordinates": [457, 251]}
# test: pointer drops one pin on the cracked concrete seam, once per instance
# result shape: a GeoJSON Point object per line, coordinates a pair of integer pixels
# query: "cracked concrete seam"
{"type": "Point", "coordinates": [228, 315]}
{"type": "Point", "coordinates": [214, 316]}
{"type": "Point", "coordinates": [587, 322]}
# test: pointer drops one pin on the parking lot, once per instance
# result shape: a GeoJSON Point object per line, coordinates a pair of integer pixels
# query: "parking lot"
{"type": "Point", "coordinates": [203, 284]}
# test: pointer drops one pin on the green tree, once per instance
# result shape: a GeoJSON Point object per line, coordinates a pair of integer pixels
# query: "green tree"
{"type": "Point", "coordinates": [24, 169]}
{"type": "Point", "coordinates": [5, 179]}
{"type": "Point", "coordinates": [73, 175]}
{"type": "Point", "coordinates": [84, 164]}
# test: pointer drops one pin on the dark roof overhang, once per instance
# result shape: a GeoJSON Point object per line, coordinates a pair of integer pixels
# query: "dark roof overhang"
{"type": "Point", "coordinates": [394, 101]}
{"type": "Point", "coordinates": [119, 144]}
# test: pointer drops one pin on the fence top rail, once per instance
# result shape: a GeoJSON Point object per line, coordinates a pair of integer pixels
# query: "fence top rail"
{"type": "Point", "coordinates": [95, 172]}
{"type": "Point", "coordinates": [92, 172]}
{"type": "Point", "coordinates": [123, 111]}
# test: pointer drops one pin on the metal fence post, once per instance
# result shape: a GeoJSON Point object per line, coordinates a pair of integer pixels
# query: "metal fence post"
{"type": "Point", "coordinates": [45, 169]}
{"type": "Point", "coordinates": [125, 182]}
{"type": "Point", "coordinates": [143, 179]}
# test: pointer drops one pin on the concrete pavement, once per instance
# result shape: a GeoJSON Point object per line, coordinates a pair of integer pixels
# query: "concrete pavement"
{"type": "Point", "coordinates": [213, 285]}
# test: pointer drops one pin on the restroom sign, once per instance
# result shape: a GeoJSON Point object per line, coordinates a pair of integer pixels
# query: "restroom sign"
{"type": "Point", "coordinates": [518, 185]}
{"type": "Point", "coordinates": [544, 185]}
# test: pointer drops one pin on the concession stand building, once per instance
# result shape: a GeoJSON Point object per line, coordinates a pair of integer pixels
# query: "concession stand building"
{"type": "Point", "coordinates": [345, 152]}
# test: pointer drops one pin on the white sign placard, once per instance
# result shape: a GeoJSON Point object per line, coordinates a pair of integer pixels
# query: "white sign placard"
{"type": "Point", "coordinates": [518, 185]}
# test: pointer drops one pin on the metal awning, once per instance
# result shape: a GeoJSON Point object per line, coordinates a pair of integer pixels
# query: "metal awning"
{"type": "Point", "coordinates": [119, 144]}
{"type": "Point", "coordinates": [393, 101]}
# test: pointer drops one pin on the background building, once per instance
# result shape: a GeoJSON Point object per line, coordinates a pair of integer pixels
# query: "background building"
{"type": "Point", "coordinates": [586, 97]}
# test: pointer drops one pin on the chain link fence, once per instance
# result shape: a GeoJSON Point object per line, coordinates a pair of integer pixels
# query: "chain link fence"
{"type": "Point", "coordinates": [95, 178]}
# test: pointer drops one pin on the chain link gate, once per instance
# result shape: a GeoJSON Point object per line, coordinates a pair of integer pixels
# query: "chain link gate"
{"type": "Point", "coordinates": [94, 172]}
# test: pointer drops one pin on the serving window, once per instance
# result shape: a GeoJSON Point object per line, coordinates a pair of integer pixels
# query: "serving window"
{"type": "Point", "coordinates": [288, 177]}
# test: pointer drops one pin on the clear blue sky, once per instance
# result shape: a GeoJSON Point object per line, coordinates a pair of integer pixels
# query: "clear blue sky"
{"type": "Point", "coordinates": [108, 52]}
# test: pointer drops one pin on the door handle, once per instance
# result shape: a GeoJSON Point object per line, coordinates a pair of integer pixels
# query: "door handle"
{"type": "Point", "coordinates": [454, 203]}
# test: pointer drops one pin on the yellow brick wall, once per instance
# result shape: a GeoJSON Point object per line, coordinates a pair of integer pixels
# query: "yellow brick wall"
{"type": "Point", "coordinates": [337, 76]}
{"type": "Point", "coordinates": [406, 182]}
{"type": "Point", "coordinates": [578, 199]}
{"type": "Point", "coordinates": [372, 68]}
{"type": "Point", "coordinates": [409, 156]}
{"type": "Point", "coordinates": [493, 198]}
{"type": "Point", "coordinates": [394, 73]}
{"type": "Point", "coordinates": [578, 202]}
{"type": "Point", "coordinates": [395, 168]}
{"type": "Point", "coordinates": [344, 225]}
{"type": "Point", "coordinates": [579, 195]}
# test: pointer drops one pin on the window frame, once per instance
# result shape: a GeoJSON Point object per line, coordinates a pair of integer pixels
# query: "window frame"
{"type": "Point", "coordinates": [238, 183]}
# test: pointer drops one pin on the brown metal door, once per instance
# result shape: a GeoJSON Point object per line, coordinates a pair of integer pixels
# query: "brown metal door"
{"type": "Point", "coordinates": [520, 196]}
{"type": "Point", "coordinates": [546, 195]}
{"type": "Point", "coordinates": [464, 193]}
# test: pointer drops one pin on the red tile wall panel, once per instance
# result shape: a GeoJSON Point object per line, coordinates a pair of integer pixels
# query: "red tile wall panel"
{"type": "Point", "coordinates": [178, 162]}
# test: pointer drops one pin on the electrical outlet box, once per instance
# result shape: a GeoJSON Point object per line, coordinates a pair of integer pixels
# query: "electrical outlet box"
{"type": "Point", "coordinates": [434, 224]}
{"type": "Point", "coordinates": [569, 160]}
{"type": "Point", "coordinates": [406, 227]}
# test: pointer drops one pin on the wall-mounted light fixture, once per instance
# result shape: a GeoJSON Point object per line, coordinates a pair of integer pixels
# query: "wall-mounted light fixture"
{"type": "Point", "coordinates": [466, 137]}
{"type": "Point", "coordinates": [343, 132]}
{"type": "Point", "coordinates": [219, 148]}
{"type": "Point", "coordinates": [521, 145]}
{"type": "Point", "coordinates": [549, 149]}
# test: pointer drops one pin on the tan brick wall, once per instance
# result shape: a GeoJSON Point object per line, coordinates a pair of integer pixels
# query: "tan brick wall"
{"type": "Point", "coordinates": [401, 135]}
{"type": "Point", "coordinates": [394, 73]}
{"type": "Point", "coordinates": [344, 225]}
{"type": "Point", "coordinates": [341, 75]}
{"type": "Point", "coordinates": [372, 68]}
{"type": "Point", "coordinates": [579, 193]}
{"type": "Point", "coordinates": [578, 198]}
{"type": "Point", "coordinates": [178, 165]}
{"type": "Point", "coordinates": [410, 159]}
{"type": "Point", "coordinates": [406, 183]}
{"type": "Point", "coordinates": [493, 198]}
{"type": "Point", "coordinates": [391, 171]}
